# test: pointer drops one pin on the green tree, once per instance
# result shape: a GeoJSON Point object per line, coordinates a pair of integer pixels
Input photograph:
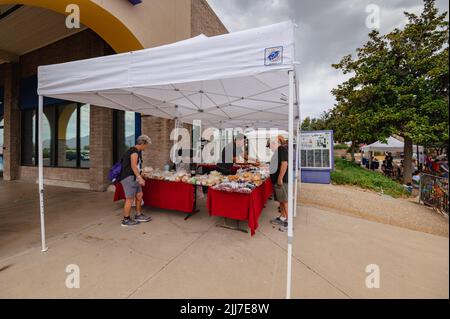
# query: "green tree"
{"type": "Point", "coordinates": [315, 124]}
{"type": "Point", "coordinates": [306, 124]}
{"type": "Point", "coordinates": [347, 123]}
{"type": "Point", "coordinates": [350, 118]}
{"type": "Point", "coordinates": [399, 83]}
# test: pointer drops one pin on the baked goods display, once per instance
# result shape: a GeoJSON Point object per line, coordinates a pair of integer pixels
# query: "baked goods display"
{"type": "Point", "coordinates": [205, 180]}
{"type": "Point", "coordinates": [245, 180]}
{"type": "Point", "coordinates": [236, 187]}
{"type": "Point", "coordinates": [150, 173]}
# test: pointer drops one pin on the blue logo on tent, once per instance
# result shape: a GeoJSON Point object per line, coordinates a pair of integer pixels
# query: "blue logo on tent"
{"type": "Point", "coordinates": [274, 56]}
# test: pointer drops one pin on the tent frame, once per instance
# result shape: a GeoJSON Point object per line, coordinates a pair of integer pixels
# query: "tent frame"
{"type": "Point", "coordinates": [294, 176]}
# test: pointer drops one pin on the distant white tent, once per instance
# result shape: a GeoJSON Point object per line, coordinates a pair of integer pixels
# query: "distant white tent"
{"type": "Point", "coordinates": [393, 145]}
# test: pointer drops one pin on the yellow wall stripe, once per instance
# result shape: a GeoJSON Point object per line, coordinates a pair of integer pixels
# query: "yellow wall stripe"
{"type": "Point", "coordinates": [102, 22]}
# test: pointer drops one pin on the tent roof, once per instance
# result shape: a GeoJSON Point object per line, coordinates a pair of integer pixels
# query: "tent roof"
{"type": "Point", "coordinates": [392, 145]}
{"type": "Point", "coordinates": [225, 81]}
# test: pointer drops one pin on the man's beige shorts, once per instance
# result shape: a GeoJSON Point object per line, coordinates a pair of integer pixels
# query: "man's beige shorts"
{"type": "Point", "coordinates": [281, 193]}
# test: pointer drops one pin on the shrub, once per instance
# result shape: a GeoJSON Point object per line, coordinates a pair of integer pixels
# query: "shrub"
{"type": "Point", "coordinates": [348, 173]}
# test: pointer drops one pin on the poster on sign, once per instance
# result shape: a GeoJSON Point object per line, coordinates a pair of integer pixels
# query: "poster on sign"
{"type": "Point", "coordinates": [316, 149]}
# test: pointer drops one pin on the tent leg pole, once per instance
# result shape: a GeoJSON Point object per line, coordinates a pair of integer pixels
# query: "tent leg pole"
{"type": "Point", "coordinates": [299, 146]}
{"type": "Point", "coordinates": [297, 176]}
{"type": "Point", "coordinates": [295, 197]}
{"type": "Point", "coordinates": [44, 247]}
{"type": "Point", "coordinates": [290, 184]}
{"type": "Point", "coordinates": [175, 141]}
{"type": "Point", "coordinates": [299, 167]}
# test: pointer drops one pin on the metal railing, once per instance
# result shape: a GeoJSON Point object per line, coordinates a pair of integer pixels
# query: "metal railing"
{"type": "Point", "coordinates": [434, 192]}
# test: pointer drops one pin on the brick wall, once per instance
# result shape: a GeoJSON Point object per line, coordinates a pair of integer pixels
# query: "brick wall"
{"type": "Point", "coordinates": [101, 147]}
{"type": "Point", "coordinates": [2, 73]}
{"type": "Point", "coordinates": [159, 131]}
{"type": "Point", "coordinates": [83, 45]}
{"type": "Point", "coordinates": [70, 177]}
{"type": "Point", "coordinates": [204, 20]}
{"type": "Point", "coordinates": [11, 138]}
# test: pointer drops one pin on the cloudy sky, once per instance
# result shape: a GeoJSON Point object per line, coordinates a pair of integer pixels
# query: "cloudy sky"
{"type": "Point", "coordinates": [328, 30]}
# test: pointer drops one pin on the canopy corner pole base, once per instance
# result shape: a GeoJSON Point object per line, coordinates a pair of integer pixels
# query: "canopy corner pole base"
{"type": "Point", "coordinates": [44, 247]}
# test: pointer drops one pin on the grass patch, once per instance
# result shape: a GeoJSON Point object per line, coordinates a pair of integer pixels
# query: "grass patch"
{"type": "Point", "coordinates": [348, 173]}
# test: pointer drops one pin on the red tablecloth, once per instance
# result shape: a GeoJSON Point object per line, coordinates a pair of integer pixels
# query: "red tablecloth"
{"type": "Point", "coordinates": [245, 207]}
{"type": "Point", "coordinates": [165, 195]}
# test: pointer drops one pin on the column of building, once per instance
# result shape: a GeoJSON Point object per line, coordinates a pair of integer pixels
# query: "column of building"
{"type": "Point", "coordinates": [11, 138]}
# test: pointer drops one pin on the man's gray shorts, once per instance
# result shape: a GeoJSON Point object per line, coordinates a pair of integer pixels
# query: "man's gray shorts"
{"type": "Point", "coordinates": [281, 194]}
{"type": "Point", "coordinates": [131, 187]}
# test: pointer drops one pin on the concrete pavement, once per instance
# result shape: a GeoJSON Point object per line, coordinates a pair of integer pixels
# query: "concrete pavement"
{"type": "Point", "coordinates": [174, 258]}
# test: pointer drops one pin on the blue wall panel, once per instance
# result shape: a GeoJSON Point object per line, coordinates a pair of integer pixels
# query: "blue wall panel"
{"type": "Point", "coordinates": [316, 176]}
{"type": "Point", "coordinates": [137, 125]}
{"type": "Point", "coordinates": [28, 97]}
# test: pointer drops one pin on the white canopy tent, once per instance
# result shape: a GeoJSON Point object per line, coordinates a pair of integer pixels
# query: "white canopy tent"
{"type": "Point", "coordinates": [392, 145]}
{"type": "Point", "coordinates": [239, 80]}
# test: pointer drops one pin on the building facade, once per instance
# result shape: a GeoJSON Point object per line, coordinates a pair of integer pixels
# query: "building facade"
{"type": "Point", "coordinates": [81, 142]}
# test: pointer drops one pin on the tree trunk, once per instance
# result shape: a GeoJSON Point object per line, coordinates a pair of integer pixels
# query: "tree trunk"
{"type": "Point", "coordinates": [407, 163]}
{"type": "Point", "coordinates": [352, 151]}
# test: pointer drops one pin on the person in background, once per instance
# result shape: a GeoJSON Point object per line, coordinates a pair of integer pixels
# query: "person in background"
{"type": "Point", "coordinates": [444, 167]}
{"type": "Point", "coordinates": [422, 160]}
{"type": "Point", "coordinates": [375, 164]}
{"type": "Point", "coordinates": [232, 154]}
{"type": "Point", "coordinates": [416, 179]}
{"type": "Point", "coordinates": [435, 165]}
{"type": "Point", "coordinates": [384, 168]}
{"type": "Point", "coordinates": [389, 164]}
{"type": "Point", "coordinates": [132, 182]}
{"type": "Point", "coordinates": [428, 162]}
{"type": "Point", "coordinates": [389, 160]}
{"type": "Point", "coordinates": [279, 178]}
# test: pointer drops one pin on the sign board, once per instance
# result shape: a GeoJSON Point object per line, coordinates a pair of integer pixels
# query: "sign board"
{"type": "Point", "coordinates": [316, 150]}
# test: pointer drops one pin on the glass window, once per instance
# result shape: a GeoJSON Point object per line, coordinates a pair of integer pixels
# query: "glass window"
{"type": "Point", "coordinates": [65, 136]}
{"type": "Point", "coordinates": [85, 112]}
{"type": "Point", "coordinates": [28, 137]}
{"type": "Point", "coordinates": [124, 132]}
{"type": "Point", "coordinates": [48, 131]}
{"type": "Point", "coordinates": [130, 129]}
